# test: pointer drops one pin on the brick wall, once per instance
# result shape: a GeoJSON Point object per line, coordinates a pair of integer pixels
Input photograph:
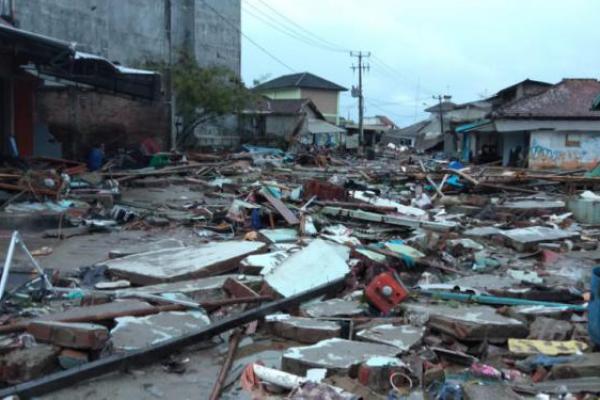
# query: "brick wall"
{"type": "Point", "coordinates": [81, 119]}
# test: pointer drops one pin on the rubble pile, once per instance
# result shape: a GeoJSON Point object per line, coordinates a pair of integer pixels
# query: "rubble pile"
{"type": "Point", "coordinates": [302, 276]}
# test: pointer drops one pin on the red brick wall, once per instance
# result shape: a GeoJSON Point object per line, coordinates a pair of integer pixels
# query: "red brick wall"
{"type": "Point", "coordinates": [81, 119]}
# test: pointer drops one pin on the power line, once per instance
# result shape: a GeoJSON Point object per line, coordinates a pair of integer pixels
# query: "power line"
{"type": "Point", "coordinates": [282, 28]}
{"type": "Point", "coordinates": [301, 28]}
{"type": "Point", "coordinates": [234, 26]}
{"type": "Point", "coordinates": [388, 112]}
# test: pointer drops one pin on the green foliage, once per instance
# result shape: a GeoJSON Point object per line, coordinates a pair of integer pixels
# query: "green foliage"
{"type": "Point", "coordinates": [204, 93]}
{"type": "Point", "coordinates": [211, 91]}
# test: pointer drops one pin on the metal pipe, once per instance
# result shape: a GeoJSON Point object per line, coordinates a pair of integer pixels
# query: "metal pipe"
{"type": "Point", "coordinates": [234, 343]}
{"type": "Point", "coordinates": [9, 256]}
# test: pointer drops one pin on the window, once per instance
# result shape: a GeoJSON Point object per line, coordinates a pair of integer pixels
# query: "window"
{"type": "Point", "coordinates": [572, 140]}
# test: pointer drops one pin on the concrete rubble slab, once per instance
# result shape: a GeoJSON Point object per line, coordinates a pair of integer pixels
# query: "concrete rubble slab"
{"type": "Point", "coordinates": [172, 265]}
{"type": "Point", "coordinates": [484, 282]}
{"type": "Point", "coordinates": [136, 248]}
{"type": "Point", "coordinates": [544, 328]}
{"type": "Point", "coordinates": [263, 263]}
{"type": "Point", "coordinates": [586, 365]}
{"type": "Point", "coordinates": [316, 264]}
{"type": "Point", "coordinates": [404, 337]}
{"type": "Point", "coordinates": [197, 288]}
{"type": "Point", "coordinates": [282, 235]}
{"type": "Point", "coordinates": [132, 333]}
{"type": "Point", "coordinates": [69, 334]}
{"type": "Point", "coordinates": [477, 391]}
{"type": "Point", "coordinates": [484, 231]}
{"type": "Point", "coordinates": [303, 330]}
{"type": "Point", "coordinates": [390, 219]}
{"type": "Point", "coordinates": [332, 308]}
{"type": "Point", "coordinates": [336, 355]}
{"type": "Point", "coordinates": [469, 322]}
{"type": "Point", "coordinates": [91, 312]}
{"type": "Point", "coordinates": [28, 363]}
{"type": "Point", "coordinates": [522, 239]}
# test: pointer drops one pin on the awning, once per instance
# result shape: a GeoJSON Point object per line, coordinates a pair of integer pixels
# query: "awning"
{"type": "Point", "coordinates": [318, 126]}
{"type": "Point", "coordinates": [50, 58]}
{"type": "Point", "coordinates": [473, 126]}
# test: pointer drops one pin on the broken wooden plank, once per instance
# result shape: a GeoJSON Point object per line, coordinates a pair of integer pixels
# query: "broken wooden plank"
{"type": "Point", "coordinates": [281, 208]}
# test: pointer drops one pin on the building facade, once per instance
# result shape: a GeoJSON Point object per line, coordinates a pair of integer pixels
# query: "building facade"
{"type": "Point", "coordinates": [323, 93]}
{"type": "Point", "coordinates": [136, 31]}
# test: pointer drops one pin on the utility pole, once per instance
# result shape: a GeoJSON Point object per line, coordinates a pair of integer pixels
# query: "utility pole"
{"type": "Point", "coordinates": [441, 99]}
{"type": "Point", "coordinates": [358, 91]}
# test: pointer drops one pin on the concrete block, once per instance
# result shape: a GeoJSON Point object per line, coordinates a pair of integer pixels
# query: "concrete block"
{"type": "Point", "coordinates": [132, 333]}
{"type": "Point", "coordinates": [29, 363]}
{"type": "Point", "coordinates": [69, 358]}
{"type": "Point", "coordinates": [303, 330]}
{"type": "Point", "coordinates": [332, 308]}
{"type": "Point", "coordinates": [335, 355]}
{"type": "Point", "coordinates": [170, 265]}
{"type": "Point", "coordinates": [404, 337]}
{"type": "Point", "coordinates": [469, 322]}
{"type": "Point", "coordinates": [71, 335]}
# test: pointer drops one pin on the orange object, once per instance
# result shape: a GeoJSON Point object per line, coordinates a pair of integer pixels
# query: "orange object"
{"type": "Point", "coordinates": [385, 292]}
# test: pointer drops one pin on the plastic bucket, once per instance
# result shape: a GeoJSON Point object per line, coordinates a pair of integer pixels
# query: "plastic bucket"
{"type": "Point", "coordinates": [594, 308]}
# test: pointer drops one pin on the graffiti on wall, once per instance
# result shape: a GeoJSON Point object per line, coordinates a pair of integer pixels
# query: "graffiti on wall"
{"type": "Point", "coordinates": [543, 154]}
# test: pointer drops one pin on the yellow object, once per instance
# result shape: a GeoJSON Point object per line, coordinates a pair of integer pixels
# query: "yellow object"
{"type": "Point", "coordinates": [547, 347]}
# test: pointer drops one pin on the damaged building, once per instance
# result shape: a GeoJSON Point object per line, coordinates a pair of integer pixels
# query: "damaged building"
{"type": "Point", "coordinates": [133, 34]}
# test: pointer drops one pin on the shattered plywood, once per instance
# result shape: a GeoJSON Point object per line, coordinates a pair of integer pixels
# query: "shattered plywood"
{"type": "Point", "coordinates": [172, 265]}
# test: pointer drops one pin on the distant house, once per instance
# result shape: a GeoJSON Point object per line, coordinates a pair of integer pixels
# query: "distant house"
{"type": "Point", "coordinates": [418, 136]}
{"type": "Point", "coordinates": [323, 93]}
{"type": "Point", "coordinates": [275, 122]}
{"type": "Point", "coordinates": [373, 127]}
{"type": "Point", "coordinates": [551, 126]}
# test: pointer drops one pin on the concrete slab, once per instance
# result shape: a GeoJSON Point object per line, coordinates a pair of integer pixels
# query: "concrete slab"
{"type": "Point", "coordinates": [283, 235]}
{"type": "Point", "coordinates": [523, 238]}
{"type": "Point", "coordinates": [303, 330]}
{"type": "Point", "coordinates": [469, 322]}
{"type": "Point", "coordinates": [172, 265]}
{"type": "Point", "coordinates": [332, 308]}
{"type": "Point", "coordinates": [318, 263]}
{"type": "Point", "coordinates": [263, 263]}
{"type": "Point", "coordinates": [404, 337]}
{"type": "Point", "coordinates": [335, 355]}
{"type": "Point", "coordinates": [483, 231]}
{"type": "Point", "coordinates": [132, 333]}
{"type": "Point", "coordinates": [136, 248]}
{"type": "Point", "coordinates": [69, 334]}
{"type": "Point", "coordinates": [484, 282]}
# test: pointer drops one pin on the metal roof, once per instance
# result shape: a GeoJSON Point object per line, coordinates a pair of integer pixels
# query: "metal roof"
{"type": "Point", "coordinates": [318, 126]}
{"type": "Point", "coordinates": [51, 58]}
{"type": "Point", "coordinates": [301, 80]}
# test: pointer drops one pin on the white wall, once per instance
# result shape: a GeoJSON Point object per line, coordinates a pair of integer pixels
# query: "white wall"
{"type": "Point", "coordinates": [548, 149]}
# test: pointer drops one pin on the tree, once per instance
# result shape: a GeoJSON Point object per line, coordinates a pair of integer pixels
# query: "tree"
{"type": "Point", "coordinates": [202, 94]}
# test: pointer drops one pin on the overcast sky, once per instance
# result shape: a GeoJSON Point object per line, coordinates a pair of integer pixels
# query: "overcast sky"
{"type": "Point", "coordinates": [464, 48]}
